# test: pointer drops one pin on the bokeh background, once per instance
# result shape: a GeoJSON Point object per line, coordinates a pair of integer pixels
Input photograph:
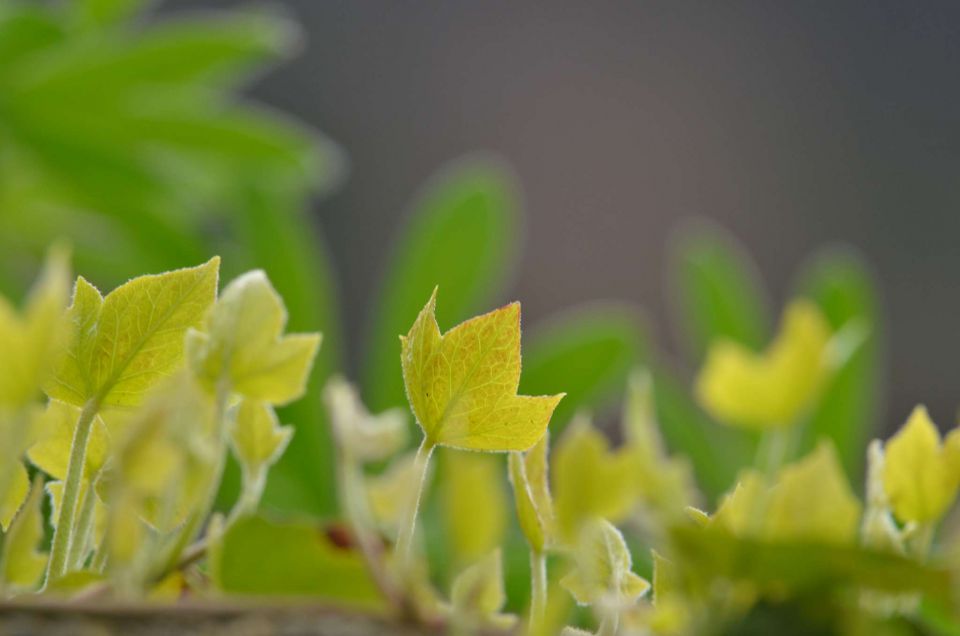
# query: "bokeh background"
{"type": "Point", "coordinates": [791, 124]}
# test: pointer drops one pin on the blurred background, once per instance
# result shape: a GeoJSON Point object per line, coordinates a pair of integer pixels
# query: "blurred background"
{"type": "Point", "coordinates": [325, 142]}
{"type": "Point", "coordinates": [791, 124]}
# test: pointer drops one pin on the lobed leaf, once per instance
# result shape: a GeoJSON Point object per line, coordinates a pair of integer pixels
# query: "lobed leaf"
{"type": "Point", "coordinates": [257, 438]}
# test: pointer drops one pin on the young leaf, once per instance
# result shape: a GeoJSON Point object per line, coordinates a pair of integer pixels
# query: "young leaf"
{"type": "Point", "coordinates": [22, 564]}
{"type": "Point", "coordinates": [124, 343]}
{"type": "Point", "coordinates": [742, 388]}
{"type": "Point", "coordinates": [474, 504]}
{"type": "Point", "coordinates": [589, 480]}
{"type": "Point", "coordinates": [12, 498]}
{"type": "Point", "coordinates": [245, 346]}
{"type": "Point", "coordinates": [921, 475]}
{"type": "Point", "coordinates": [368, 437]}
{"type": "Point", "coordinates": [477, 596]}
{"type": "Point", "coordinates": [51, 452]}
{"type": "Point", "coordinates": [389, 492]}
{"type": "Point", "coordinates": [462, 385]}
{"type": "Point", "coordinates": [257, 438]}
{"type": "Point", "coordinates": [531, 493]}
{"type": "Point", "coordinates": [603, 574]}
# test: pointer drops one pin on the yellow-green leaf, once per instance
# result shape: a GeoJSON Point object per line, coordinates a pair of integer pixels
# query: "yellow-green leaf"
{"type": "Point", "coordinates": [589, 480]}
{"type": "Point", "coordinates": [124, 343]}
{"type": "Point", "coordinates": [920, 474]}
{"type": "Point", "coordinates": [477, 596]}
{"type": "Point", "coordinates": [56, 426]}
{"type": "Point", "coordinates": [22, 563]}
{"type": "Point", "coordinates": [389, 492]}
{"type": "Point", "coordinates": [257, 438]}
{"type": "Point", "coordinates": [462, 385]}
{"type": "Point", "coordinates": [245, 348]}
{"type": "Point", "coordinates": [31, 343]}
{"type": "Point", "coordinates": [742, 388]}
{"type": "Point", "coordinates": [603, 572]}
{"type": "Point", "coordinates": [366, 436]}
{"type": "Point", "coordinates": [16, 493]}
{"type": "Point", "coordinates": [531, 493]}
{"type": "Point", "coordinates": [474, 503]}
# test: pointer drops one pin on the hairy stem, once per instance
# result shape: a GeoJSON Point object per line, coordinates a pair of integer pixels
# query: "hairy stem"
{"type": "Point", "coordinates": [81, 538]}
{"type": "Point", "coordinates": [538, 589]}
{"type": "Point", "coordinates": [404, 547]}
{"type": "Point", "coordinates": [66, 521]}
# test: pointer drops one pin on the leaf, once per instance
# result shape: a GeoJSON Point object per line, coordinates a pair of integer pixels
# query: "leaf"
{"type": "Point", "coordinates": [462, 385]}
{"type": "Point", "coordinates": [842, 285]}
{"type": "Point", "coordinates": [920, 475]}
{"type": "Point", "coordinates": [474, 504]}
{"type": "Point", "coordinates": [588, 353]}
{"type": "Point", "coordinates": [368, 437]}
{"type": "Point", "coordinates": [462, 236]}
{"type": "Point", "coordinates": [719, 293]}
{"type": "Point", "coordinates": [16, 493]}
{"type": "Point", "coordinates": [23, 564]}
{"type": "Point", "coordinates": [257, 438]}
{"type": "Point", "coordinates": [531, 493]}
{"type": "Point", "coordinates": [389, 492]}
{"type": "Point", "coordinates": [31, 343]}
{"type": "Point", "coordinates": [245, 346]}
{"type": "Point", "coordinates": [123, 344]}
{"type": "Point", "coordinates": [477, 597]}
{"type": "Point", "coordinates": [51, 452]}
{"type": "Point", "coordinates": [589, 480]}
{"type": "Point", "coordinates": [263, 558]}
{"type": "Point", "coordinates": [603, 574]}
{"type": "Point", "coordinates": [772, 389]}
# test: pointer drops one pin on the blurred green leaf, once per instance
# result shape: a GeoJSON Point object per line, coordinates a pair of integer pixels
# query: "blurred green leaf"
{"type": "Point", "coordinates": [718, 290]}
{"type": "Point", "coordinates": [262, 558]}
{"type": "Point", "coordinates": [839, 281]}
{"type": "Point", "coordinates": [463, 237]}
{"type": "Point", "coordinates": [586, 353]}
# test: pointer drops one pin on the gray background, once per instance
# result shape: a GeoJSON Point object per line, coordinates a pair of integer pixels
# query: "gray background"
{"type": "Point", "coordinates": [790, 123]}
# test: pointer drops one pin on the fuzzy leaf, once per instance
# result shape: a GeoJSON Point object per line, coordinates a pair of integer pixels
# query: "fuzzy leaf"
{"type": "Point", "coordinates": [462, 385]}
{"type": "Point", "coordinates": [920, 474]}
{"type": "Point", "coordinates": [245, 346]}
{"type": "Point", "coordinates": [16, 493]}
{"type": "Point", "coordinates": [474, 503]}
{"type": "Point", "coordinates": [603, 572]}
{"type": "Point", "coordinates": [742, 388]}
{"type": "Point", "coordinates": [477, 595]}
{"type": "Point", "coordinates": [589, 480]}
{"type": "Point", "coordinates": [23, 564]}
{"type": "Point", "coordinates": [531, 493]}
{"type": "Point", "coordinates": [51, 453]}
{"type": "Point", "coordinates": [257, 438]}
{"type": "Point", "coordinates": [368, 437]}
{"type": "Point", "coordinates": [124, 343]}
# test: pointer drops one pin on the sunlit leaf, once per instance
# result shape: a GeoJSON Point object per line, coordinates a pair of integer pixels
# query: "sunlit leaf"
{"type": "Point", "coordinates": [462, 385]}
{"type": "Point", "coordinates": [257, 437]}
{"type": "Point", "coordinates": [22, 563]}
{"type": "Point", "coordinates": [51, 452]}
{"type": "Point", "coordinates": [531, 493]}
{"type": "Point", "coordinates": [16, 493]}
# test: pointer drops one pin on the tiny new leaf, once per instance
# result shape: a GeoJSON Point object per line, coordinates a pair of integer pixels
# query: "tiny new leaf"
{"type": "Point", "coordinates": [603, 572]}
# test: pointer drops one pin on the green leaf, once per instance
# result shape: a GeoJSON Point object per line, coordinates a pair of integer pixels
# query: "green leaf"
{"type": "Point", "coordinates": [839, 281]}
{"type": "Point", "coordinates": [56, 426]}
{"type": "Point", "coordinates": [531, 493]}
{"type": "Point", "coordinates": [603, 574]}
{"type": "Point", "coordinates": [463, 238]}
{"type": "Point", "coordinates": [462, 385]}
{"type": "Point", "coordinates": [18, 487]}
{"type": "Point", "coordinates": [245, 349]}
{"type": "Point", "coordinates": [474, 504]}
{"type": "Point", "coordinates": [262, 558]}
{"type": "Point", "coordinates": [588, 353]}
{"type": "Point", "coordinates": [22, 564]}
{"type": "Point", "coordinates": [257, 438]}
{"type": "Point", "coordinates": [718, 290]}
{"type": "Point", "coordinates": [124, 343]}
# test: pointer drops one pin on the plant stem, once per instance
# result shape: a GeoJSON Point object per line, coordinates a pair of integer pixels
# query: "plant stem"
{"type": "Point", "coordinates": [538, 588]}
{"type": "Point", "coordinates": [775, 448]}
{"type": "Point", "coordinates": [404, 547]}
{"type": "Point", "coordinates": [66, 521]}
{"type": "Point", "coordinates": [609, 624]}
{"type": "Point", "coordinates": [81, 539]}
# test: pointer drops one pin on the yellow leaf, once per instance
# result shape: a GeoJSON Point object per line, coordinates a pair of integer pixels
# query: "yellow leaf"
{"type": "Point", "coordinates": [367, 437]}
{"type": "Point", "coordinates": [245, 348]}
{"type": "Point", "coordinates": [589, 480]}
{"type": "Point", "coordinates": [14, 496]}
{"type": "Point", "coordinates": [477, 596]}
{"type": "Point", "coordinates": [920, 475]}
{"type": "Point", "coordinates": [22, 564]}
{"type": "Point", "coordinates": [51, 453]}
{"type": "Point", "coordinates": [462, 385]}
{"type": "Point", "coordinates": [31, 343]}
{"type": "Point", "coordinates": [603, 572]}
{"type": "Point", "coordinates": [474, 503]}
{"type": "Point", "coordinates": [257, 437]}
{"type": "Point", "coordinates": [124, 343]}
{"type": "Point", "coordinates": [531, 493]}
{"type": "Point", "coordinates": [742, 388]}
